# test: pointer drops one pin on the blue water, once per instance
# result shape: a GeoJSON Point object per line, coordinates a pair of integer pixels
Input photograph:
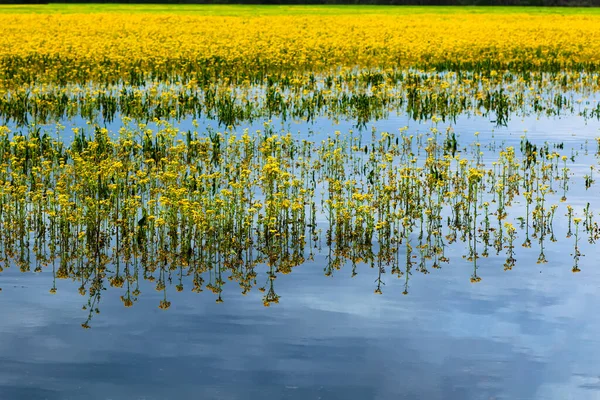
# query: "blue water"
{"type": "Point", "coordinates": [529, 333]}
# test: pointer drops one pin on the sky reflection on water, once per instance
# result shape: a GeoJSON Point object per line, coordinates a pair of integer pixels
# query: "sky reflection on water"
{"type": "Point", "coordinates": [524, 334]}
{"type": "Point", "coordinates": [529, 333]}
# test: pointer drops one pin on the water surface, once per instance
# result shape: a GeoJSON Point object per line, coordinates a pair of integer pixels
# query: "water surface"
{"type": "Point", "coordinates": [528, 333]}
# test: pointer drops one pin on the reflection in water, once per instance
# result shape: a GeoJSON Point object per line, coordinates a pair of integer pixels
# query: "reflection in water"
{"type": "Point", "coordinates": [518, 336]}
{"type": "Point", "coordinates": [362, 95]}
{"type": "Point", "coordinates": [196, 211]}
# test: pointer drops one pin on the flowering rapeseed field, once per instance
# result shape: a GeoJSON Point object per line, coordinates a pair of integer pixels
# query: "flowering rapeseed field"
{"type": "Point", "coordinates": [108, 46]}
{"type": "Point", "coordinates": [158, 202]}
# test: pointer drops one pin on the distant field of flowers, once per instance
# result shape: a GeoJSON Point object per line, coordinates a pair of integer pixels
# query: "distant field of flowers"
{"type": "Point", "coordinates": [107, 47]}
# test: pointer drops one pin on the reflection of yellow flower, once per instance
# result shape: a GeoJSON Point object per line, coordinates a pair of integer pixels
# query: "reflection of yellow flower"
{"type": "Point", "coordinates": [127, 302]}
{"type": "Point", "coordinates": [163, 305]}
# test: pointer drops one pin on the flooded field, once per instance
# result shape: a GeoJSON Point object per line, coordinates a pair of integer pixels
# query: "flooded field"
{"type": "Point", "coordinates": [287, 213]}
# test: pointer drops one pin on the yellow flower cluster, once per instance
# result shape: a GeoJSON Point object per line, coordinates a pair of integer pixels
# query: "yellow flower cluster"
{"type": "Point", "coordinates": [97, 46]}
